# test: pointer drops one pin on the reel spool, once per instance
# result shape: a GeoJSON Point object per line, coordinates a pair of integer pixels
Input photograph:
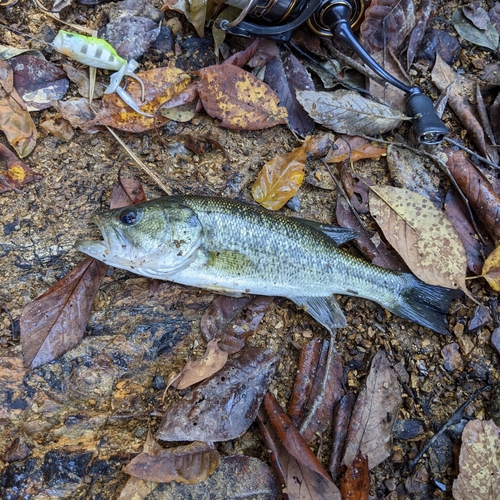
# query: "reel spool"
{"type": "Point", "coordinates": [277, 19]}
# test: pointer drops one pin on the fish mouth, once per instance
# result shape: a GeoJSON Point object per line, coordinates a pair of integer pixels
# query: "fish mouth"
{"type": "Point", "coordinates": [99, 249]}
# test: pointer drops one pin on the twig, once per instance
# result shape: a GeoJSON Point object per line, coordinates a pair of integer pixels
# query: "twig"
{"type": "Point", "coordinates": [467, 150]}
{"type": "Point", "coordinates": [138, 161]}
{"type": "Point", "coordinates": [454, 419]}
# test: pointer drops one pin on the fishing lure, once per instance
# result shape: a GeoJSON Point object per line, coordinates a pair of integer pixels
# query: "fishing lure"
{"type": "Point", "coordinates": [98, 53]}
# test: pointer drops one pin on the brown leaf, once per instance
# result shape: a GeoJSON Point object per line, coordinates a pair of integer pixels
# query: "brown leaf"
{"type": "Point", "coordinates": [491, 269]}
{"type": "Point", "coordinates": [353, 149]}
{"type": "Point", "coordinates": [237, 477]}
{"type": "Point", "coordinates": [355, 484]}
{"type": "Point", "coordinates": [232, 320]}
{"type": "Point", "coordinates": [38, 81]}
{"type": "Point", "coordinates": [425, 11]}
{"type": "Point", "coordinates": [243, 56]}
{"type": "Point", "coordinates": [459, 89]}
{"type": "Point", "coordinates": [347, 112]}
{"type": "Point", "coordinates": [239, 99]}
{"type": "Point", "coordinates": [295, 464]}
{"type": "Point", "coordinates": [408, 170]}
{"type": "Point", "coordinates": [340, 426]}
{"type": "Point", "coordinates": [55, 322]}
{"type": "Point", "coordinates": [280, 179]}
{"type": "Point", "coordinates": [195, 371]}
{"type": "Point", "coordinates": [479, 476]}
{"type": "Point", "coordinates": [369, 242]}
{"type": "Point", "coordinates": [127, 192]}
{"type": "Point", "coordinates": [76, 111]}
{"type": "Point", "coordinates": [457, 213]}
{"type": "Point", "coordinates": [15, 120]}
{"type": "Point", "coordinates": [319, 145]}
{"type": "Point", "coordinates": [224, 406]}
{"type": "Point", "coordinates": [285, 74]}
{"type": "Point", "coordinates": [18, 173]}
{"type": "Point", "coordinates": [326, 391]}
{"type": "Point", "coordinates": [160, 84]}
{"type": "Point", "coordinates": [375, 411]}
{"type": "Point", "coordinates": [477, 190]}
{"type": "Point", "coordinates": [386, 24]}
{"type": "Point", "coordinates": [308, 363]}
{"type": "Point", "coordinates": [190, 464]}
{"type": "Point", "coordinates": [421, 234]}
{"type": "Point", "coordinates": [59, 128]}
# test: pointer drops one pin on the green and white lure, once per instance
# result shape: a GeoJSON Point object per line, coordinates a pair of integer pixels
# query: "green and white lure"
{"type": "Point", "coordinates": [98, 53]}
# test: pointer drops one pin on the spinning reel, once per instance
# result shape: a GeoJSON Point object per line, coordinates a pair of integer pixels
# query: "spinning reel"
{"type": "Point", "coordinates": [276, 19]}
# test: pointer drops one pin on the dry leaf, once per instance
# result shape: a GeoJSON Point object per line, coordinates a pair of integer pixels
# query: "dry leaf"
{"type": "Point", "coordinates": [232, 319]}
{"type": "Point", "coordinates": [353, 149]}
{"type": "Point", "coordinates": [295, 464]}
{"type": "Point", "coordinates": [38, 82]}
{"type": "Point", "coordinates": [55, 322]}
{"type": "Point", "coordinates": [425, 11]}
{"type": "Point", "coordinates": [409, 170]}
{"type": "Point", "coordinates": [59, 128]}
{"type": "Point", "coordinates": [160, 84]}
{"type": "Point", "coordinates": [347, 112]}
{"type": "Point", "coordinates": [194, 10]}
{"type": "Point", "coordinates": [477, 190]}
{"type": "Point", "coordinates": [190, 463]}
{"type": "Point", "coordinates": [137, 489]}
{"type": "Point", "coordinates": [224, 406]}
{"type": "Point", "coordinates": [479, 477]}
{"type": "Point", "coordinates": [386, 24]}
{"type": "Point", "coordinates": [355, 484]}
{"type": "Point", "coordinates": [491, 269]}
{"type": "Point", "coordinates": [239, 99]}
{"type": "Point", "coordinates": [421, 234]}
{"type": "Point", "coordinates": [375, 411]}
{"type": "Point", "coordinates": [280, 179]}
{"type": "Point", "coordinates": [195, 371]}
{"type": "Point", "coordinates": [15, 120]}
{"type": "Point", "coordinates": [459, 89]}
{"type": "Point", "coordinates": [285, 74]}
{"type": "Point", "coordinates": [321, 401]}
{"type": "Point", "coordinates": [18, 173]}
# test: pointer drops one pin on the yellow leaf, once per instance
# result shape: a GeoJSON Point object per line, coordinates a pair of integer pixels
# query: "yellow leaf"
{"type": "Point", "coordinates": [491, 269]}
{"type": "Point", "coordinates": [421, 234]}
{"type": "Point", "coordinates": [280, 179]}
{"type": "Point", "coordinates": [161, 84]}
{"type": "Point", "coordinates": [239, 99]}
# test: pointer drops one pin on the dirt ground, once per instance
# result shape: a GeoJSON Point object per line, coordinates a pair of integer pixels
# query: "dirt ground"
{"type": "Point", "coordinates": [68, 427]}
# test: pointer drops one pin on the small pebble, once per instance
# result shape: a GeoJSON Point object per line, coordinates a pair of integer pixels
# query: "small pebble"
{"type": "Point", "coordinates": [480, 318]}
{"type": "Point", "coordinates": [452, 358]}
{"type": "Point", "coordinates": [495, 339]}
{"type": "Point", "coordinates": [158, 383]}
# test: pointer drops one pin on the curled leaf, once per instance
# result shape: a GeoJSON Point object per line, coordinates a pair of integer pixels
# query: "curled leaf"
{"type": "Point", "coordinates": [280, 179]}
{"type": "Point", "coordinates": [195, 371]}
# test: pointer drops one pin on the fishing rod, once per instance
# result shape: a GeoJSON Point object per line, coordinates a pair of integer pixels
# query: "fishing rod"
{"type": "Point", "coordinates": [277, 19]}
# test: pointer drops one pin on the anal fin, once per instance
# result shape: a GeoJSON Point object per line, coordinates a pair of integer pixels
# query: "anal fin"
{"type": "Point", "coordinates": [325, 310]}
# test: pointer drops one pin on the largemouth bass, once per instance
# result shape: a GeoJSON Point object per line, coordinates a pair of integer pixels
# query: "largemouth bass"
{"type": "Point", "coordinates": [236, 248]}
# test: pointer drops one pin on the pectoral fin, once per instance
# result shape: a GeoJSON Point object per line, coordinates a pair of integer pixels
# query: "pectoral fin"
{"type": "Point", "coordinates": [325, 310]}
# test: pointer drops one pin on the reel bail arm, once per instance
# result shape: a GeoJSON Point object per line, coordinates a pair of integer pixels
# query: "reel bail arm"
{"type": "Point", "coordinates": [278, 18]}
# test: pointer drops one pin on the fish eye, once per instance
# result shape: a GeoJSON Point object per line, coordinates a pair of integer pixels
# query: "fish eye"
{"type": "Point", "coordinates": [129, 216]}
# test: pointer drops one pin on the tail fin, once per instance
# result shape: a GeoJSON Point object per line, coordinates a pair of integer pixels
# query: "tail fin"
{"type": "Point", "coordinates": [425, 304]}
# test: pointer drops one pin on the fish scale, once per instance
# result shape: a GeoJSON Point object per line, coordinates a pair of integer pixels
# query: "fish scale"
{"type": "Point", "coordinates": [235, 248]}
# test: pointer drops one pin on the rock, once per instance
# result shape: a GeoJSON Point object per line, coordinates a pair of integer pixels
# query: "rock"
{"type": "Point", "coordinates": [407, 429]}
{"type": "Point", "coordinates": [452, 359]}
{"type": "Point", "coordinates": [480, 318]}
